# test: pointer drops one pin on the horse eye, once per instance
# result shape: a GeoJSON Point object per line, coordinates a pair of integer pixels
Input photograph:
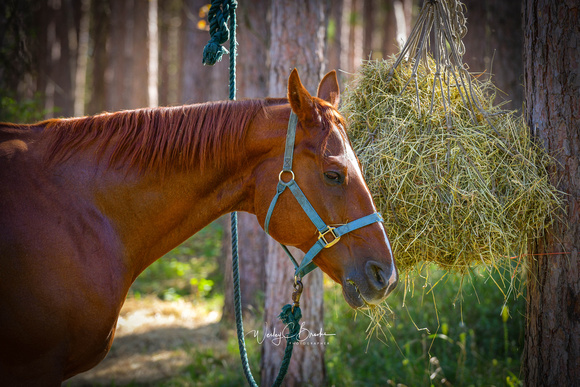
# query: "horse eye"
{"type": "Point", "coordinates": [333, 177]}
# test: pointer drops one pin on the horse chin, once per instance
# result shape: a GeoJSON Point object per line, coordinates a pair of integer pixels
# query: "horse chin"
{"type": "Point", "coordinates": [352, 295]}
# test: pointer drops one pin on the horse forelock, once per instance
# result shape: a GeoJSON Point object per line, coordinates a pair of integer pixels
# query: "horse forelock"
{"type": "Point", "coordinates": [157, 139]}
{"type": "Point", "coordinates": [330, 118]}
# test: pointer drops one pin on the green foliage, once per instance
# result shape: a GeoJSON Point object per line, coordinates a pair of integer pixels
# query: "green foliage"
{"type": "Point", "coordinates": [190, 269]}
{"type": "Point", "coordinates": [26, 111]}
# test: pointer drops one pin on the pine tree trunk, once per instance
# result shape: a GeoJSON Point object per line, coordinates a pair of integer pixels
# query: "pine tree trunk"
{"type": "Point", "coordinates": [253, 37]}
{"type": "Point", "coordinates": [100, 25]}
{"type": "Point", "coordinates": [197, 83]}
{"type": "Point", "coordinates": [119, 80]}
{"type": "Point", "coordinates": [140, 55]}
{"type": "Point", "coordinates": [493, 46]}
{"type": "Point", "coordinates": [552, 91]}
{"type": "Point", "coordinates": [334, 41]}
{"type": "Point", "coordinates": [297, 40]}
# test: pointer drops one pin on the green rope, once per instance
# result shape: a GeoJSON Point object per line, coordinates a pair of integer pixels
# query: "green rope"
{"type": "Point", "coordinates": [217, 17]}
{"type": "Point", "coordinates": [219, 13]}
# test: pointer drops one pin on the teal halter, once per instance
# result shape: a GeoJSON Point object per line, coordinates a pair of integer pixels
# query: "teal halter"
{"type": "Point", "coordinates": [328, 235]}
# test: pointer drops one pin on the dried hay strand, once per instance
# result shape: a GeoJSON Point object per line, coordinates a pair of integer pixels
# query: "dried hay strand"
{"type": "Point", "coordinates": [456, 188]}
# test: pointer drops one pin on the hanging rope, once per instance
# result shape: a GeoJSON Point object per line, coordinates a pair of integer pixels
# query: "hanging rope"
{"type": "Point", "coordinates": [218, 16]}
{"type": "Point", "coordinates": [220, 12]}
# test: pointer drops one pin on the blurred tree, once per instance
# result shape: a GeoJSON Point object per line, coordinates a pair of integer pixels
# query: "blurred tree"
{"type": "Point", "coordinates": [334, 37]}
{"type": "Point", "coordinates": [493, 46]}
{"type": "Point", "coordinates": [199, 83]}
{"type": "Point", "coordinates": [351, 35]}
{"type": "Point", "coordinates": [136, 94]}
{"type": "Point", "coordinates": [552, 90]}
{"type": "Point", "coordinates": [102, 22]}
{"type": "Point", "coordinates": [253, 36]}
{"type": "Point", "coordinates": [298, 38]}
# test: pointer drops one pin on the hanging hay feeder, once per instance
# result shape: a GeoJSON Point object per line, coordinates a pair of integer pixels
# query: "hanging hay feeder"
{"type": "Point", "coordinates": [458, 180]}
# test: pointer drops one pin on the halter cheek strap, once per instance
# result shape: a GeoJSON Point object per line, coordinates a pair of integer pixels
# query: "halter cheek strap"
{"type": "Point", "coordinates": [328, 236]}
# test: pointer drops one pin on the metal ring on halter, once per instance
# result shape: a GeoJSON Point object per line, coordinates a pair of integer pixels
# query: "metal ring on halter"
{"type": "Point", "coordinates": [280, 176]}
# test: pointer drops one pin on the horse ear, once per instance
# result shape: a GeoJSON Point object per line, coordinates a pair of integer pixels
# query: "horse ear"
{"type": "Point", "coordinates": [300, 100]}
{"type": "Point", "coordinates": [328, 89]}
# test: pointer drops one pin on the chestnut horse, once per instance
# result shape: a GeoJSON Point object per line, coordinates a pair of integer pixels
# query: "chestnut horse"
{"type": "Point", "coordinates": [86, 204]}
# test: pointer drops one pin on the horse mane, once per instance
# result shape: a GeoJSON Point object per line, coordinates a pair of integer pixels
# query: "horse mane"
{"type": "Point", "coordinates": [157, 139]}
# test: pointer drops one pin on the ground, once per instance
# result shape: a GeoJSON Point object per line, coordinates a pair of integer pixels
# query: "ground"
{"type": "Point", "coordinates": [151, 342]}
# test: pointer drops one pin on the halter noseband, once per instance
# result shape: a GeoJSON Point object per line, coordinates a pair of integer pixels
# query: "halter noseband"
{"type": "Point", "coordinates": [328, 235]}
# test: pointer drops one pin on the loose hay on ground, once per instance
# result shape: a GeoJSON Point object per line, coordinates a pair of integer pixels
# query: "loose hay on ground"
{"type": "Point", "coordinates": [453, 189]}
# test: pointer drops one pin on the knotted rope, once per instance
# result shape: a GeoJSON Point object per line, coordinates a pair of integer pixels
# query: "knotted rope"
{"type": "Point", "coordinates": [218, 17]}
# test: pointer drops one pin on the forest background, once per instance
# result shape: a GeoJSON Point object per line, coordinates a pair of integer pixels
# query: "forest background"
{"type": "Point", "coordinates": [61, 58]}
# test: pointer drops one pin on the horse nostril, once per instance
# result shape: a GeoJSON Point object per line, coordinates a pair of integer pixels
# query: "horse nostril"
{"type": "Point", "coordinates": [377, 275]}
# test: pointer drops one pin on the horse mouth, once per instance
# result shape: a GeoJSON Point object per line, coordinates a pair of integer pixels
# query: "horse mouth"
{"type": "Point", "coordinates": [353, 296]}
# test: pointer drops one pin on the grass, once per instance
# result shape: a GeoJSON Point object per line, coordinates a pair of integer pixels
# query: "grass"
{"type": "Point", "coordinates": [437, 336]}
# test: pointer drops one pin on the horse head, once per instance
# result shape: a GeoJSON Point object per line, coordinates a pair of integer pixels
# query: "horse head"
{"type": "Point", "coordinates": [328, 207]}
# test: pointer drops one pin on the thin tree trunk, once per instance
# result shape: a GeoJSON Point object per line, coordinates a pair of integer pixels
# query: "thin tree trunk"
{"type": "Point", "coordinates": [334, 41]}
{"type": "Point", "coordinates": [64, 61]}
{"type": "Point", "coordinates": [253, 37]}
{"type": "Point", "coordinates": [389, 29]}
{"type": "Point", "coordinates": [153, 60]}
{"type": "Point", "coordinates": [140, 55]}
{"type": "Point", "coordinates": [297, 40]}
{"type": "Point", "coordinates": [119, 55]}
{"type": "Point", "coordinates": [199, 83]}
{"type": "Point", "coordinates": [99, 30]}
{"type": "Point", "coordinates": [493, 46]}
{"type": "Point", "coordinates": [254, 42]}
{"type": "Point", "coordinates": [82, 59]}
{"type": "Point", "coordinates": [352, 36]}
{"type": "Point", "coordinates": [552, 90]}
{"type": "Point", "coordinates": [369, 10]}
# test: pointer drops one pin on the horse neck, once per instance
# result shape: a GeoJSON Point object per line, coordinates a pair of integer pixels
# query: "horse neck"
{"type": "Point", "coordinates": [152, 215]}
{"type": "Point", "coordinates": [154, 211]}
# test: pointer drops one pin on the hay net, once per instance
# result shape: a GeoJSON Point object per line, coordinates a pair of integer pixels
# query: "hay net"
{"type": "Point", "coordinates": [458, 180]}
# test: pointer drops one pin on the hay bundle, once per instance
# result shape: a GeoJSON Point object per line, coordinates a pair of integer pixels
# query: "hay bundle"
{"type": "Point", "coordinates": [455, 188]}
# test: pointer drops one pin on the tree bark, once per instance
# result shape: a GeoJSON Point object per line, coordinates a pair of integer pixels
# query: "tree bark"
{"type": "Point", "coordinates": [552, 91]}
{"type": "Point", "coordinates": [334, 39]}
{"type": "Point", "coordinates": [369, 10]}
{"type": "Point", "coordinates": [100, 25]}
{"type": "Point", "coordinates": [298, 38]}
{"type": "Point", "coordinates": [119, 59]}
{"type": "Point", "coordinates": [253, 37]}
{"type": "Point", "coordinates": [140, 55]}
{"type": "Point", "coordinates": [493, 46]}
{"type": "Point", "coordinates": [153, 59]}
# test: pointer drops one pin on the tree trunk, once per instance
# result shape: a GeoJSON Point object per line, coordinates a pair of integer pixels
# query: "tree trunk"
{"type": "Point", "coordinates": [493, 46]}
{"type": "Point", "coordinates": [369, 10]}
{"type": "Point", "coordinates": [64, 63]}
{"type": "Point", "coordinates": [82, 58]}
{"type": "Point", "coordinates": [552, 90]}
{"type": "Point", "coordinates": [153, 59]}
{"type": "Point", "coordinates": [100, 24]}
{"type": "Point", "coordinates": [253, 37]}
{"type": "Point", "coordinates": [119, 79]}
{"type": "Point", "coordinates": [334, 40]}
{"type": "Point", "coordinates": [297, 40]}
{"type": "Point", "coordinates": [140, 55]}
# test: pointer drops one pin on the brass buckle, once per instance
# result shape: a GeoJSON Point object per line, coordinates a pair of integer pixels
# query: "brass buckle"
{"type": "Point", "coordinates": [323, 237]}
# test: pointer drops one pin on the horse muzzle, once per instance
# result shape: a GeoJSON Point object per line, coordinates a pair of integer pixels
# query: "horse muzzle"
{"type": "Point", "coordinates": [371, 286]}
